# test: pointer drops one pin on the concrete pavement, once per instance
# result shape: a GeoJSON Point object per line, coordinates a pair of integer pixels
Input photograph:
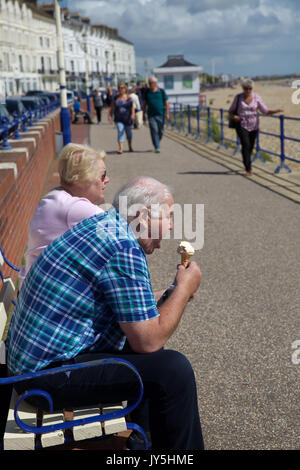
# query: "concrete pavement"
{"type": "Point", "coordinates": [238, 331]}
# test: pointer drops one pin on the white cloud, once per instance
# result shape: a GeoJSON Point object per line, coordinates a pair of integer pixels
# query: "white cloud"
{"type": "Point", "coordinates": [201, 28]}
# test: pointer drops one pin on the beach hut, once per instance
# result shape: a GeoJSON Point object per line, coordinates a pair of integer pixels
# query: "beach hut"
{"type": "Point", "coordinates": [180, 79]}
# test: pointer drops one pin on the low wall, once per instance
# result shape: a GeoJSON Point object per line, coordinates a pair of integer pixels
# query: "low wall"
{"type": "Point", "coordinates": [23, 172]}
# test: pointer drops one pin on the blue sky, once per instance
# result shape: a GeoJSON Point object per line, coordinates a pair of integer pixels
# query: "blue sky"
{"type": "Point", "coordinates": [251, 37]}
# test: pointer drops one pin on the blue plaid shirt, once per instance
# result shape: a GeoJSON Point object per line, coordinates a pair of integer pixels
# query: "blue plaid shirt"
{"type": "Point", "coordinates": [76, 293]}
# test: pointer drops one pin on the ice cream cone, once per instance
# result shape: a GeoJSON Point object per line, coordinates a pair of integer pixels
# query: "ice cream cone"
{"type": "Point", "coordinates": [185, 258]}
{"type": "Point", "coordinates": [186, 250]}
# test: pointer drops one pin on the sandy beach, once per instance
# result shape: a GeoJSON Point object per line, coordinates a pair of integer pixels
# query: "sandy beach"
{"type": "Point", "coordinates": [276, 95]}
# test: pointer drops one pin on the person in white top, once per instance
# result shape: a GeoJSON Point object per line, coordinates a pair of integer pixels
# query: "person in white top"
{"type": "Point", "coordinates": [83, 180]}
{"type": "Point", "coordinates": [138, 121]}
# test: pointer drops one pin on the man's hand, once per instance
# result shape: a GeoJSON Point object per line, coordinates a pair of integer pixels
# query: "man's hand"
{"type": "Point", "coordinates": [189, 278]}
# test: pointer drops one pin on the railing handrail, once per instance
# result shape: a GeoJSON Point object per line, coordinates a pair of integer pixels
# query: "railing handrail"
{"type": "Point", "coordinates": [210, 120]}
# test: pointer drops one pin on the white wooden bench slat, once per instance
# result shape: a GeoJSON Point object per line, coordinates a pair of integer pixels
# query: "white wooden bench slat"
{"type": "Point", "coordinates": [15, 438]}
{"type": "Point", "coordinates": [6, 295]}
{"type": "Point", "coordinates": [52, 438]}
{"type": "Point", "coordinates": [114, 425]}
{"type": "Point", "coordinates": [89, 430]}
{"type": "Point", "coordinates": [2, 353]}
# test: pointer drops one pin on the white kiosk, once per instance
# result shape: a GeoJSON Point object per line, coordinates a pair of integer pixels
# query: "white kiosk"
{"type": "Point", "coordinates": [180, 80]}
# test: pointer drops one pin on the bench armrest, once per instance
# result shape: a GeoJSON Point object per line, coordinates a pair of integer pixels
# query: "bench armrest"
{"type": "Point", "coordinates": [77, 422]}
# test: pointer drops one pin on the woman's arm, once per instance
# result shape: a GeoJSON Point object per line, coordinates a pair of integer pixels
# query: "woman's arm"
{"type": "Point", "coordinates": [264, 109]}
{"type": "Point", "coordinates": [270, 112]}
{"type": "Point", "coordinates": [109, 116]}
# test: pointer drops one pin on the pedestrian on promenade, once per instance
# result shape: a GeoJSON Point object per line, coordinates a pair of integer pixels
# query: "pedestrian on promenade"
{"type": "Point", "coordinates": [109, 97]}
{"type": "Point", "coordinates": [157, 106]}
{"type": "Point", "coordinates": [123, 111]}
{"type": "Point", "coordinates": [83, 180]}
{"type": "Point", "coordinates": [138, 121]}
{"type": "Point", "coordinates": [99, 294]}
{"type": "Point", "coordinates": [98, 104]}
{"type": "Point", "coordinates": [78, 112]}
{"type": "Point", "coordinates": [244, 112]}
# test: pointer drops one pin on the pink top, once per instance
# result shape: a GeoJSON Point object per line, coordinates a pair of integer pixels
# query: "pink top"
{"type": "Point", "coordinates": [249, 112]}
{"type": "Point", "coordinates": [56, 213]}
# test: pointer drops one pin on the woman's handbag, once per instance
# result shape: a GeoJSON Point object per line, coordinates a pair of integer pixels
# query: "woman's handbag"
{"type": "Point", "coordinates": [233, 124]}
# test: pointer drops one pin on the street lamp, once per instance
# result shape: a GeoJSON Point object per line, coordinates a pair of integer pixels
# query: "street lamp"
{"type": "Point", "coordinates": [87, 88]}
{"type": "Point", "coordinates": [65, 116]}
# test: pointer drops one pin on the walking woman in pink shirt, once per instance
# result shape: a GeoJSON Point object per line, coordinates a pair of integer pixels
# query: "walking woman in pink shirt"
{"type": "Point", "coordinates": [83, 180]}
{"type": "Point", "coordinates": [244, 110]}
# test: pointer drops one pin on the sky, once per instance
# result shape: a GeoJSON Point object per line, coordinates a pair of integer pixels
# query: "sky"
{"type": "Point", "coordinates": [243, 38]}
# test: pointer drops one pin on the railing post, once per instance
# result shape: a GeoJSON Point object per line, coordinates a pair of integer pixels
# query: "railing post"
{"type": "Point", "coordinates": [5, 144]}
{"type": "Point", "coordinates": [30, 118]}
{"type": "Point", "coordinates": [198, 123]}
{"type": "Point", "coordinates": [181, 118]}
{"type": "Point", "coordinates": [189, 119]}
{"type": "Point", "coordinates": [17, 135]}
{"type": "Point", "coordinates": [238, 145]}
{"type": "Point", "coordinates": [209, 138]}
{"type": "Point", "coordinates": [258, 154]}
{"type": "Point", "coordinates": [174, 115]}
{"type": "Point", "coordinates": [24, 119]}
{"type": "Point", "coordinates": [222, 143]}
{"type": "Point", "coordinates": [282, 146]}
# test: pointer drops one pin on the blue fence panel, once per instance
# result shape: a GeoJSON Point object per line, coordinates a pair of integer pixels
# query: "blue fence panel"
{"type": "Point", "coordinates": [200, 122]}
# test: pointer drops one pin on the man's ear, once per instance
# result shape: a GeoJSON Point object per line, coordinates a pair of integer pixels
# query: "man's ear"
{"type": "Point", "coordinates": [140, 222]}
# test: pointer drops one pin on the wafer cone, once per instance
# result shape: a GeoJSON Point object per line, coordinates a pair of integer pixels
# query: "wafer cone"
{"type": "Point", "coordinates": [186, 250]}
{"type": "Point", "coordinates": [185, 258]}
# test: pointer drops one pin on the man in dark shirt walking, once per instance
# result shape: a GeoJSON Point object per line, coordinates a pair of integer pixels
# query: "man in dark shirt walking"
{"type": "Point", "coordinates": [157, 106]}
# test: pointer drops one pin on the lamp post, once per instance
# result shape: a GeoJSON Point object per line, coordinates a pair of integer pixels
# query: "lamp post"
{"type": "Point", "coordinates": [65, 116]}
{"type": "Point", "coordinates": [87, 88]}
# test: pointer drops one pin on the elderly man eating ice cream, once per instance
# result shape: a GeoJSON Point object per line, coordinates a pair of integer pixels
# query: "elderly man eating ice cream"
{"type": "Point", "coordinates": [99, 295]}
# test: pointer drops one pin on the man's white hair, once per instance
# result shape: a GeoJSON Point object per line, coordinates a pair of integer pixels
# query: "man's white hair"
{"type": "Point", "coordinates": [153, 79]}
{"type": "Point", "coordinates": [144, 191]}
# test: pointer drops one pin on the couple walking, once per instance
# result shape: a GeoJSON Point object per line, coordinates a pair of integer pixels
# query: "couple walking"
{"type": "Point", "coordinates": [155, 103]}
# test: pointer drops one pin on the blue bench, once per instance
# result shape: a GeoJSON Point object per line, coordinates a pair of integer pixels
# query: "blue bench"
{"type": "Point", "coordinates": [25, 427]}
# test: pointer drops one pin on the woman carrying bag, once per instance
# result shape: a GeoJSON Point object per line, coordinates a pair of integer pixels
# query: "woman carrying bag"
{"type": "Point", "coordinates": [123, 111]}
{"type": "Point", "coordinates": [243, 116]}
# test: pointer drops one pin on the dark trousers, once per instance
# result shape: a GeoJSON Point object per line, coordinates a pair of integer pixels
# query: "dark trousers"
{"type": "Point", "coordinates": [169, 390]}
{"type": "Point", "coordinates": [98, 112]}
{"type": "Point", "coordinates": [247, 139]}
{"type": "Point", "coordinates": [156, 124]}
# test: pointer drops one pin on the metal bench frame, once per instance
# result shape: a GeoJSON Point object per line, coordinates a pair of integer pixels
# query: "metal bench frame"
{"type": "Point", "coordinates": [21, 434]}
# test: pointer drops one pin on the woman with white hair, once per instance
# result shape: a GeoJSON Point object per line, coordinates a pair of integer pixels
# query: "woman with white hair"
{"type": "Point", "coordinates": [83, 180]}
{"type": "Point", "coordinates": [244, 114]}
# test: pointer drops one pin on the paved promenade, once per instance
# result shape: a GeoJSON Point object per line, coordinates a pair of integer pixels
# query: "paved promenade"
{"type": "Point", "coordinates": [238, 331]}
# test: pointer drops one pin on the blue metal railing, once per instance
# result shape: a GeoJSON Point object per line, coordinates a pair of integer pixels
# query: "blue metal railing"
{"type": "Point", "coordinates": [188, 119]}
{"type": "Point", "coordinates": [20, 123]}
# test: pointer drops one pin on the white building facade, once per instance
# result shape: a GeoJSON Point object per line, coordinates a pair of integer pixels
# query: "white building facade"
{"type": "Point", "coordinates": [27, 49]}
{"type": "Point", "coordinates": [180, 79]}
{"type": "Point", "coordinates": [95, 55]}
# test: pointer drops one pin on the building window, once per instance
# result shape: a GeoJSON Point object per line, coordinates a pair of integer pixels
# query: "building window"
{"type": "Point", "coordinates": [169, 82]}
{"type": "Point", "coordinates": [21, 63]}
{"type": "Point", "coordinates": [187, 81]}
{"type": "Point", "coordinates": [71, 47]}
{"type": "Point", "coordinates": [72, 66]}
{"type": "Point", "coordinates": [41, 41]}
